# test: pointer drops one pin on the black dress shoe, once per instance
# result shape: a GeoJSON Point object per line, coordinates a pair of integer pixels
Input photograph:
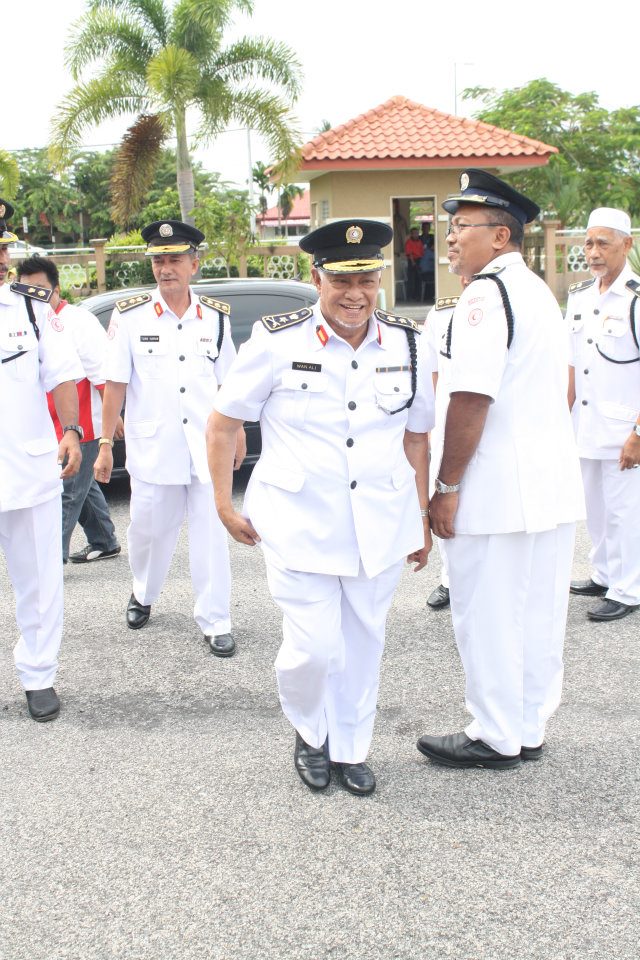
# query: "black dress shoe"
{"type": "Point", "coordinates": [609, 610]}
{"type": "Point", "coordinates": [457, 750]}
{"type": "Point", "coordinates": [312, 764]}
{"type": "Point", "coordinates": [43, 705]}
{"type": "Point", "coordinates": [587, 588]}
{"type": "Point", "coordinates": [357, 778]}
{"type": "Point", "coordinates": [137, 614]}
{"type": "Point", "coordinates": [531, 753]}
{"type": "Point", "coordinates": [439, 598]}
{"type": "Point", "coordinates": [223, 645]}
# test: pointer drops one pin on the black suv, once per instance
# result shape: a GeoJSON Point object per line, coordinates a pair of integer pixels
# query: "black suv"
{"type": "Point", "coordinates": [249, 300]}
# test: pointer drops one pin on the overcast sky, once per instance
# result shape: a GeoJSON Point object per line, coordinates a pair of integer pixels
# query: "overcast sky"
{"type": "Point", "coordinates": [355, 56]}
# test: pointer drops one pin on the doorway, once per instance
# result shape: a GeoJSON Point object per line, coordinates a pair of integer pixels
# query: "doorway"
{"type": "Point", "coordinates": [414, 254]}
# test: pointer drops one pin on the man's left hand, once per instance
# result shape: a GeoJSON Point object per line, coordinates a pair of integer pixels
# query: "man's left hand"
{"type": "Point", "coordinates": [241, 449]}
{"type": "Point", "coordinates": [420, 557]}
{"type": "Point", "coordinates": [442, 512]}
{"type": "Point", "coordinates": [630, 453]}
{"type": "Point", "coordinates": [69, 450]}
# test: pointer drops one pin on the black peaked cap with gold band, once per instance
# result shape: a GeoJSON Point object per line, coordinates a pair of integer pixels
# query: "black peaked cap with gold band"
{"type": "Point", "coordinates": [478, 186]}
{"type": "Point", "coordinates": [348, 246]}
{"type": "Point", "coordinates": [171, 236]}
{"type": "Point", "coordinates": [6, 212]}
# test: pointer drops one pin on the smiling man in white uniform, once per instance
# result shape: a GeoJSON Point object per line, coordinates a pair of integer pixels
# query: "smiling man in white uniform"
{"type": "Point", "coordinates": [508, 487]}
{"type": "Point", "coordinates": [169, 350]}
{"type": "Point", "coordinates": [337, 495]}
{"type": "Point", "coordinates": [604, 393]}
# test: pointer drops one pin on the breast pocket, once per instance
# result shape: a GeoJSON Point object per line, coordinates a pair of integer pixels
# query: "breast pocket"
{"type": "Point", "coordinates": [150, 358]}
{"type": "Point", "coordinates": [392, 390]}
{"type": "Point", "coordinates": [205, 355]}
{"type": "Point", "coordinates": [615, 341]}
{"type": "Point", "coordinates": [300, 389]}
{"type": "Point", "coordinates": [19, 355]}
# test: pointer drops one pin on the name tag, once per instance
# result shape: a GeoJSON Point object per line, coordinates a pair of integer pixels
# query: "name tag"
{"type": "Point", "coordinates": [149, 338]}
{"type": "Point", "coordinates": [307, 367]}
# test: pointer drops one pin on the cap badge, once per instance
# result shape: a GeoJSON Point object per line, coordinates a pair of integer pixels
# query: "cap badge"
{"type": "Point", "coordinates": [166, 230]}
{"type": "Point", "coordinates": [464, 181]}
{"type": "Point", "coordinates": [3, 209]}
{"type": "Point", "coordinates": [354, 234]}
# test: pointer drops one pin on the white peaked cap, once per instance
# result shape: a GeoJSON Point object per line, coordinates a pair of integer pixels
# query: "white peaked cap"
{"type": "Point", "coordinates": [612, 218]}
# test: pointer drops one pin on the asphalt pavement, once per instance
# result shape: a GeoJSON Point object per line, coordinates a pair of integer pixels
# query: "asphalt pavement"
{"type": "Point", "coordinates": [160, 817]}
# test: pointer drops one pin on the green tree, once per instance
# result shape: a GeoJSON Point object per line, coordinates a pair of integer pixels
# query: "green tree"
{"type": "Point", "coordinates": [160, 61]}
{"type": "Point", "coordinates": [9, 175]}
{"type": "Point", "coordinates": [225, 220]}
{"type": "Point", "coordinates": [287, 193]}
{"type": "Point", "coordinates": [262, 179]}
{"type": "Point", "coordinates": [598, 160]}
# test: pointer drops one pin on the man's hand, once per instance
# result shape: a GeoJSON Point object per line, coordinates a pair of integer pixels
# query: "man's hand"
{"type": "Point", "coordinates": [630, 453]}
{"type": "Point", "coordinates": [104, 464]}
{"type": "Point", "coordinates": [442, 511]}
{"type": "Point", "coordinates": [239, 527]}
{"type": "Point", "coordinates": [69, 450]}
{"type": "Point", "coordinates": [241, 449]}
{"type": "Point", "coordinates": [119, 431]}
{"type": "Point", "coordinates": [420, 557]}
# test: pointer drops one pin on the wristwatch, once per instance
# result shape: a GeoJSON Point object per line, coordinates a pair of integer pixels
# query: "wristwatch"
{"type": "Point", "coordinates": [76, 427]}
{"type": "Point", "coordinates": [446, 487]}
{"type": "Point", "coordinates": [636, 429]}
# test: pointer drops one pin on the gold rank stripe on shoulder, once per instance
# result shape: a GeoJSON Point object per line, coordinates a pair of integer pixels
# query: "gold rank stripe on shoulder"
{"type": "Point", "coordinates": [581, 285]}
{"type": "Point", "coordinates": [28, 290]}
{"type": "Point", "coordinates": [123, 305]}
{"type": "Point", "coordinates": [634, 286]}
{"type": "Point", "coordinates": [443, 302]}
{"type": "Point", "coordinates": [218, 305]}
{"type": "Point", "coordinates": [394, 321]}
{"type": "Point", "coordinates": [490, 270]}
{"type": "Point", "coordinates": [280, 321]}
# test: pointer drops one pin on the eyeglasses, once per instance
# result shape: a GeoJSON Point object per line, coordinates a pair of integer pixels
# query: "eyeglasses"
{"type": "Point", "coordinates": [455, 229]}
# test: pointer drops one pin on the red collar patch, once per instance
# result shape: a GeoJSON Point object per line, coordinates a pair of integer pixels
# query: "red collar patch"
{"type": "Point", "coordinates": [158, 309]}
{"type": "Point", "coordinates": [322, 335]}
{"type": "Point", "coordinates": [199, 311]}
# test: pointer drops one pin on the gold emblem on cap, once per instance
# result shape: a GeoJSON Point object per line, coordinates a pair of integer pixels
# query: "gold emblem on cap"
{"type": "Point", "coordinates": [3, 209]}
{"type": "Point", "coordinates": [354, 234]}
{"type": "Point", "coordinates": [166, 230]}
{"type": "Point", "coordinates": [464, 181]}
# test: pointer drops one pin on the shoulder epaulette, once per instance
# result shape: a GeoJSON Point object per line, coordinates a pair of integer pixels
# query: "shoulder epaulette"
{"type": "Point", "coordinates": [443, 302]}
{"type": "Point", "coordinates": [490, 272]}
{"type": "Point", "coordinates": [394, 321]}
{"type": "Point", "coordinates": [634, 286]}
{"type": "Point", "coordinates": [218, 305]}
{"type": "Point", "coordinates": [28, 290]}
{"type": "Point", "coordinates": [581, 285]}
{"type": "Point", "coordinates": [280, 321]}
{"type": "Point", "coordinates": [123, 305]}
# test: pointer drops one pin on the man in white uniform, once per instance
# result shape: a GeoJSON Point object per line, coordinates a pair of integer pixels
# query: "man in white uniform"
{"type": "Point", "coordinates": [337, 495]}
{"type": "Point", "coordinates": [36, 356]}
{"type": "Point", "coordinates": [604, 394]}
{"type": "Point", "coordinates": [169, 350]}
{"type": "Point", "coordinates": [508, 491]}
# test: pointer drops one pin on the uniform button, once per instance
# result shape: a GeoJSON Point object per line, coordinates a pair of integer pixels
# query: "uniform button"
{"type": "Point", "coordinates": [182, 389]}
{"type": "Point", "coordinates": [354, 364]}
{"type": "Point", "coordinates": [584, 403]}
{"type": "Point", "coordinates": [185, 420]}
{"type": "Point", "coordinates": [179, 326]}
{"type": "Point", "coordinates": [589, 341]}
{"type": "Point", "coordinates": [350, 442]}
{"type": "Point", "coordinates": [181, 358]}
{"type": "Point", "coordinates": [396, 389]}
{"type": "Point", "coordinates": [586, 371]}
{"type": "Point", "coordinates": [150, 349]}
{"type": "Point", "coordinates": [354, 484]}
{"type": "Point", "coordinates": [304, 386]}
{"type": "Point", "coordinates": [596, 312]}
{"type": "Point", "coordinates": [20, 347]}
{"type": "Point", "coordinates": [352, 404]}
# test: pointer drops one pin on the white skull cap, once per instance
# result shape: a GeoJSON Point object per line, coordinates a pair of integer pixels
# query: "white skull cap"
{"type": "Point", "coordinates": [612, 218]}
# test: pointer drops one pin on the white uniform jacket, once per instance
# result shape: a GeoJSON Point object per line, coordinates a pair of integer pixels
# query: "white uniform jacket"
{"type": "Point", "coordinates": [525, 473]}
{"type": "Point", "coordinates": [607, 390]}
{"type": "Point", "coordinates": [29, 470]}
{"type": "Point", "coordinates": [173, 370]}
{"type": "Point", "coordinates": [435, 340]}
{"type": "Point", "coordinates": [90, 341]}
{"type": "Point", "coordinates": [333, 485]}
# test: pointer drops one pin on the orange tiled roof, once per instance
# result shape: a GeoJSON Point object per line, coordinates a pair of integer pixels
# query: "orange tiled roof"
{"type": "Point", "coordinates": [402, 133]}
{"type": "Point", "coordinates": [301, 210]}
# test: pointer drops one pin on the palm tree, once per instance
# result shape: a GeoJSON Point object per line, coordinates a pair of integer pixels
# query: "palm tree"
{"type": "Point", "coordinates": [262, 179]}
{"type": "Point", "coordinates": [162, 61]}
{"type": "Point", "coordinates": [286, 196]}
{"type": "Point", "coordinates": [9, 174]}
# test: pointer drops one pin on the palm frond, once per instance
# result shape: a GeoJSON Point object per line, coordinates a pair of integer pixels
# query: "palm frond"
{"type": "Point", "coordinates": [134, 168]}
{"type": "Point", "coordinates": [152, 14]}
{"type": "Point", "coordinates": [258, 58]}
{"type": "Point", "coordinates": [9, 174]}
{"type": "Point", "coordinates": [198, 25]}
{"type": "Point", "coordinates": [103, 35]}
{"type": "Point", "coordinates": [173, 75]}
{"type": "Point", "coordinates": [257, 110]}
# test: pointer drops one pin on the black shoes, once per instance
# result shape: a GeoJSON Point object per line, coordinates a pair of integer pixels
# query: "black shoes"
{"type": "Point", "coordinates": [587, 588]}
{"type": "Point", "coordinates": [609, 610]}
{"type": "Point", "coordinates": [137, 614]}
{"type": "Point", "coordinates": [221, 646]}
{"type": "Point", "coordinates": [312, 764]}
{"type": "Point", "coordinates": [357, 778]}
{"type": "Point", "coordinates": [439, 598]}
{"type": "Point", "coordinates": [457, 750]}
{"type": "Point", "coordinates": [531, 753]}
{"type": "Point", "coordinates": [89, 553]}
{"type": "Point", "coordinates": [43, 705]}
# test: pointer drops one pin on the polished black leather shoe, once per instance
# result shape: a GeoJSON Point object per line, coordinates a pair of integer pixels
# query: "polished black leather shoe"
{"type": "Point", "coordinates": [312, 764]}
{"type": "Point", "coordinates": [43, 705]}
{"type": "Point", "coordinates": [531, 753]}
{"type": "Point", "coordinates": [137, 614]}
{"type": "Point", "coordinates": [587, 588]}
{"type": "Point", "coordinates": [223, 645]}
{"type": "Point", "coordinates": [457, 750]}
{"type": "Point", "coordinates": [609, 610]}
{"type": "Point", "coordinates": [357, 778]}
{"type": "Point", "coordinates": [439, 598]}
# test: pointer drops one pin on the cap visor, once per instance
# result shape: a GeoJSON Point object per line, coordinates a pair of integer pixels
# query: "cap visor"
{"type": "Point", "coordinates": [168, 248]}
{"type": "Point", "coordinates": [352, 266]}
{"type": "Point", "coordinates": [8, 237]}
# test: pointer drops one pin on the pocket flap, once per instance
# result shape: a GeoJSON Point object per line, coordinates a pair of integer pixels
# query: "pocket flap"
{"type": "Point", "coordinates": [281, 477]}
{"type": "Point", "coordinates": [309, 382]}
{"type": "Point", "coordinates": [615, 326]}
{"type": "Point", "coordinates": [41, 445]}
{"type": "Point", "coordinates": [141, 428]}
{"type": "Point", "coordinates": [150, 345]}
{"type": "Point", "coordinates": [393, 384]}
{"type": "Point", "coordinates": [617, 411]}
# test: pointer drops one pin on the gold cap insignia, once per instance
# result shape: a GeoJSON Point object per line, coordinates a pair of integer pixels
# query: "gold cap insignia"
{"type": "Point", "coordinates": [166, 230]}
{"type": "Point", "coordinates": [3, 209]}
{"type": "Point", "coordinates": [354, 234]}
{"type": "Point", "coordinates": [464, 181]}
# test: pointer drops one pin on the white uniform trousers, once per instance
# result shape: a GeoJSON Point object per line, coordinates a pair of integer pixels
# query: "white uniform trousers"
{"type": "Point", "coordinates": [613, 521]}
{"type": "Point", "coordinates": [509, 599]}
{"type": "Point", "coordinates": [444, 561]}
{"type": "Point", "coordinates": [328, 666]}
{"type": "Point", "coordinates": [157, 513]}
{"type": "Point", "coordinates": [32, 542]}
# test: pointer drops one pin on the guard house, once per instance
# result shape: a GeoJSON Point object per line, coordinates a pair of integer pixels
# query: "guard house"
{"type": "Point", "coordinates": [397, 163]}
